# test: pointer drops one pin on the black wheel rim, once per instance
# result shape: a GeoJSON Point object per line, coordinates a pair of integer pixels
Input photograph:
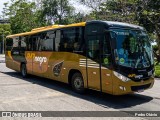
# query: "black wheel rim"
{"type": "Point", "coordinates": [78, 83]}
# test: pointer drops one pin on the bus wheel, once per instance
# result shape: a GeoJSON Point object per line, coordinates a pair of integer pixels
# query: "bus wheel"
{"type": "Point", "coordinates": [24, 70]}
{"type": "Point", "coordinates": [77, 83]}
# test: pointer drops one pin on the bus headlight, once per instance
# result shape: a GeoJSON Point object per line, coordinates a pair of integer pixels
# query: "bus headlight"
{"type": "Point", "coordinates": [121, 77]}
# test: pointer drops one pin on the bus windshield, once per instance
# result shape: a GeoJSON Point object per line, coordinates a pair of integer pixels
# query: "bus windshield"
{"type": "Point", "coordinates": [133, 49]}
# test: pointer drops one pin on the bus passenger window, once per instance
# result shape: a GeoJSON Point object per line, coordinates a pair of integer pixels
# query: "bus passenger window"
{"type": "Point", "coordinates": [34, 43]}
{"type": "Point", "coordinates": [16, 42]}
{"type": "Point", "coordinates": [16, 45]}
{"type": "Point", "coordinates": [71, 39]}
{"type": "Point", "coordinates": [57, 40]}
{"type": "Point", "coordinates": [23, 44]}
{"type": "Point", "coordinates": [29, 43]}
{"type": "Point", "coordinates": [9, 44]}
{"type": "Point", "coordinates": [47, 41]}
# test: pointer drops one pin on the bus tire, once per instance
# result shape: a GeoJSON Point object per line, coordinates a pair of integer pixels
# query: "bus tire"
{"type": "Point", "coordinates": [78, 83]}
{"type": "Point", "coordinates": [23, 70]}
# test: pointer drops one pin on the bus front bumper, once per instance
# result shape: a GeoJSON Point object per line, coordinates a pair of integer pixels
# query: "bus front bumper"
{"type": "Point", "coordinates": [121, 88]}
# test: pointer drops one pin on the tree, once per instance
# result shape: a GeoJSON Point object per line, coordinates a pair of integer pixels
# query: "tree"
{"type": "Point", "coordinates": [74, 18]}
{"type": "Point", "coordinates": [117, 10]}
{"type": "Point", "coordinates": [22, 15]}
{"type": "Point", "coordinates": [149, 17]}
{"type": "Point", "coordinates": [5, 29]}
{"type": "Point", "coordinates": [94, 5]}
{"type": "Point", "coordinates": [56, 11]}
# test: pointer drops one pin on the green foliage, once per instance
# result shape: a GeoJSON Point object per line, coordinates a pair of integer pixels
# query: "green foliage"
{"type": "Point", "coordinates": [5, 29]}
{"type": "Point", "coordinates": [149, 14]}
{"type": "Point", "coordinates": [120, 10]}
{"type": "Point", "coordinates": [94, 5]}
{"type": "Point", "coordinates": [22, 15]}
{"type": "Point", "coordinates": [143, 12]}
{"type": "Point", "coordinates": [25, 15]}
{"type": "Point", "coordinates": [155, 47]}
{"type": "Point", "coordinates": [157, 71]}
{"type": "Point", "coordinates": [56, 11]}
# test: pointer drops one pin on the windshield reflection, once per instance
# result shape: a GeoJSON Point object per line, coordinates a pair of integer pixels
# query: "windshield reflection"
{"type": "Point", "coordinates": [133, 49]}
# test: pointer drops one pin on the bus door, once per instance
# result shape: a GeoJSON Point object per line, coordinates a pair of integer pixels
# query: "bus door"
{"type": "Point", "coordinates": [98, 62]}
{"type": "Point", "coordinates": [93, 60]}
{"type": "Point", "coordinates": [105, 56]}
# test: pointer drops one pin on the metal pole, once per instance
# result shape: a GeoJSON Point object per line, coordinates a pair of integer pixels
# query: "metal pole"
{"type": "Point", "coordinates": [3, 35]}
{"type": "Point", "coordinates": [3, 42]}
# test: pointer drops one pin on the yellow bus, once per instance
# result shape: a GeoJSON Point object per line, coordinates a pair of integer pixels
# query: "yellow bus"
{"type": "Point", "coordinates": [111, 57]}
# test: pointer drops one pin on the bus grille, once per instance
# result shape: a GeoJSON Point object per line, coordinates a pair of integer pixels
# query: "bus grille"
{"type": "Point", "coordinates": [142, 87]}
{"type": "Point", "coordinates": [138, 80]}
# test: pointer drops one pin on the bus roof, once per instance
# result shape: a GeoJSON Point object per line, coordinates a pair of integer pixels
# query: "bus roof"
{"type": "Point", "coordinates": [108, 23]}
{"type": "Point", "coordinates": [121, 24]}
{"type": "Point", "coordinates": [117, 24]}
{"type": "Point", "coordinates": [41, 29]}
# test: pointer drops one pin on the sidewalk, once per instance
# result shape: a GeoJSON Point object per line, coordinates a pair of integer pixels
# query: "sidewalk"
{"type": "Point", "coordinates": [2, 58]}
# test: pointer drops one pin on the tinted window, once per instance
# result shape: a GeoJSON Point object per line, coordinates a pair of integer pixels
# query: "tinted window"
{"type": "Point", "coordinates": [32, 43]}
{"type": "Point", "coordinates": [23, 43]}
{"type": "Point", "coordinates": [93, 47]}
{"type": "Point", "coordinates": [47, 41]}
{"type": "Point", "coordinates": [106, 50]}
{"type": "Point", "coordinates": [94, 29]}
{"type": "Point", "coordinates": [15, 42]}
{"type": "Point", "coordinates": [29, 43]}
{"type": "Point", "coordinates": [57, 40]}
{"type": "Point", "coordinates": [35, 42]}
{"type": "Point", "coordinates": [9, 44]}
{"type": "Point", "coordinates": [71, 39]}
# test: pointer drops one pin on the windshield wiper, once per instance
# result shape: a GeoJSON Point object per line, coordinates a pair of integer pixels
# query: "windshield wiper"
{"type": "Point", "coordinates": [140, 46]}
{"type": "Point", "coordinates": [148, 57]}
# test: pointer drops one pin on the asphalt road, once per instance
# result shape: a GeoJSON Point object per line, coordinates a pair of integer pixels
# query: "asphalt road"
{"type": "Point", "coordinates": [40, 94]}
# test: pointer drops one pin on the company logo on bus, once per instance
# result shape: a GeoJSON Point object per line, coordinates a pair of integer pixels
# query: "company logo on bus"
{"type": "Point", "coordinates": [37, 58]}
{"type": "Point", "coordinates": [40, 59]}
{"type": "Point", "coordinates": [30, 55]}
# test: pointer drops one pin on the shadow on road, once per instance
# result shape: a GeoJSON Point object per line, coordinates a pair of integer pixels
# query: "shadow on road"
{"type": "Point", "coordinates": [102, 99]}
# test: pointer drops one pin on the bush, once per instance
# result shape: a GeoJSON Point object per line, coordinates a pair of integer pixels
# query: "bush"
{"type": "Point", "coordinates": [155, 48]}
{"type": "Point", "coordinates": [157, 71]}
